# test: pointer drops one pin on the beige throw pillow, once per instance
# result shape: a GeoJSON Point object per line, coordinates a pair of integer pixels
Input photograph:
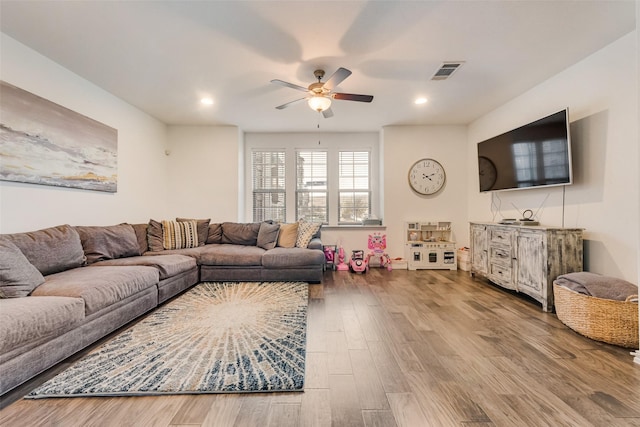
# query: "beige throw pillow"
{"type": "Point", "coordinates": [179, 234]}
{"type": "Point", "coordinates": [288, 235]}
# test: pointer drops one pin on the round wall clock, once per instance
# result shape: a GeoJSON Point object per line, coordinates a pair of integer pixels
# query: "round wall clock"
{"type": "Point", "coordinates": [427, 176]}
{"type": "Point", "coordinates": [487, 172]}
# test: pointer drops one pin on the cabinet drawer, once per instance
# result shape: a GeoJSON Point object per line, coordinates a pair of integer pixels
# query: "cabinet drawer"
{"type": "Point", "coordinates": [501, 236]}
{"type": "Point", "coordinates": [500, 255]}
{"type": "Point", "coordinates": [501, 275]}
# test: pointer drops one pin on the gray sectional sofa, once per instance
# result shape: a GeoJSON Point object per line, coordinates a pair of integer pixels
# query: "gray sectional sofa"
{"type": "Point", "coordinates": [63, 288]}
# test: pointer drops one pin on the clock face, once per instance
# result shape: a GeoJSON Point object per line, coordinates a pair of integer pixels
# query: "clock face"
{"type": "Point", "coordinates": [426, 176]}
{"type": "Point", "coordinates": [487, 172]}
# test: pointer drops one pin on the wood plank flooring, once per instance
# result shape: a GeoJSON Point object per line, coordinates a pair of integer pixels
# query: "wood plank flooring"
{"type": "Point", "coordinates": [401, 348]}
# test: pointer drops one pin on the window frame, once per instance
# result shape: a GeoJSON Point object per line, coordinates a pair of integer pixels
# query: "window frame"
{"type": "Point", "coordinates": [264, 191]}
{"type": "Point", "coordinates": [355, 189]}
{"type": "Point", "coordinates": [333, 143]}
{"type": "Point", "coordinates": [300, 191]}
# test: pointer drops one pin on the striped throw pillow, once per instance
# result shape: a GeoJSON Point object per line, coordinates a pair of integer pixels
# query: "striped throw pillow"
{"type": "Point", "coordinates": [179, 234]}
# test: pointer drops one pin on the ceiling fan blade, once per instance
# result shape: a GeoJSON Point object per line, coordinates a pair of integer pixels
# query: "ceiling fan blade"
{"type": "Point", "coordinates": [327, 113]}
{"type": "Point", "coordinates": [283, 106]}
{"type": "Point", "coordinates": [337, 78]}
{"type": "Point", "coordinates": [291, 85]}
{"type": "Point", "coordinates": [352, 97]}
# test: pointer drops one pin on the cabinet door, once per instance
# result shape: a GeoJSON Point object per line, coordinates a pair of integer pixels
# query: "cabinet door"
{"type": "Point", "coordinates": [479, 249]}
{"type": "Point", "coordinates": [531, 270]}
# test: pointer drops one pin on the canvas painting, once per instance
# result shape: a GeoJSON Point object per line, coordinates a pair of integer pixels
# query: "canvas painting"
{"type": "Point", "coordinates": [44, 143]}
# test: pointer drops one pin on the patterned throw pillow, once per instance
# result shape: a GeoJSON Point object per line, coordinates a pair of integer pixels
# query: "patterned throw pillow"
{"type": "Point", "coordinates": [306, 231]}
{"type": "Point", "coordinates": [179, 234]}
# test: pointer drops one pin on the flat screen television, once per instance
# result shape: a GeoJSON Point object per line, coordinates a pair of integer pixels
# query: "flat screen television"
{"type": "Point", "coordinates": [534, 155]}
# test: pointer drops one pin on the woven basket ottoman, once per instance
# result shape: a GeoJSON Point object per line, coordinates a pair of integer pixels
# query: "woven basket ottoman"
{"type": "Point", "coordinates": [610, 321]}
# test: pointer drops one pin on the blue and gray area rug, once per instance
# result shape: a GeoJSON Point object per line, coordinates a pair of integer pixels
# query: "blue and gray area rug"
{"type": "Point", "coordinates": [215, 338]}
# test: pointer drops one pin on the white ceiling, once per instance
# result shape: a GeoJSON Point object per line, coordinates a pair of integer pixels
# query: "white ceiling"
{"type": "Point", "coordinates": [163, 56]}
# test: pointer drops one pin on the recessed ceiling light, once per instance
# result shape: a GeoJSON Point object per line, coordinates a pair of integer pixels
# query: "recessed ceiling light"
{"type": "Point", "coordinates": [206, 101]}
{"type": "Point", "coordinates": [420, 101]}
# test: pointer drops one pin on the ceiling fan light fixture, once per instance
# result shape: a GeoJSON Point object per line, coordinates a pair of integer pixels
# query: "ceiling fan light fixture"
{"type": "Point", "coordinates": [319, 103]}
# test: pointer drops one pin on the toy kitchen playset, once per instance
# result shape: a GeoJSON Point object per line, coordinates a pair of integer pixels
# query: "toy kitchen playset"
{"type": "Point", "coordinates": [429, 246]}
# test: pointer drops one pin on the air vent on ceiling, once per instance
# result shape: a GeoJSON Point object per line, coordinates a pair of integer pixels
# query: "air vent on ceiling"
{"type": "Point", "coordinates": [446, 70]}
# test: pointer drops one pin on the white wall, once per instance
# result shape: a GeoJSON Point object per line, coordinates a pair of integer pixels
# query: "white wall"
{"type": "Point", "coordinates": [141, 162]}
{"type": "Point", "coordinates": [203, 172]}
{"type": "Point", "coordinates": [601, 93]}
{"type": "Point", "coordinates": [403, 146]}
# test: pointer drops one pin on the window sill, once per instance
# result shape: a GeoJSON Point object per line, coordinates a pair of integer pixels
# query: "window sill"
{"type": "Point", "coordinates": [354, 227]}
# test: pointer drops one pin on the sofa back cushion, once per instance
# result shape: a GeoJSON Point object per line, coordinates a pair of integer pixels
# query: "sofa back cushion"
{"type": "Point", "coordinates": [141, 235]}
{"type": "Point", "coordinates": [51, 250]}
{"type": "Point", "coordinates": [240, 234]}
{"type": "Point", "coordinates": [215, 233]}
{"type": "Point", "coordinates": [109, 242]}
{"type": "Point", "coordinates": [18, 277]}
{"type": "Point", "coordinates": [154, 236]}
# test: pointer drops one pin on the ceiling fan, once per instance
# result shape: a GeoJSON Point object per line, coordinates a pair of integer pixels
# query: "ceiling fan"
{"type": "Point", "coordinates": [319, 95]}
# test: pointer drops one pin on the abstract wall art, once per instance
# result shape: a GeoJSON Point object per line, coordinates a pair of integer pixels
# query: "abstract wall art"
{"type": "Point", "coordinates": [45, 143]}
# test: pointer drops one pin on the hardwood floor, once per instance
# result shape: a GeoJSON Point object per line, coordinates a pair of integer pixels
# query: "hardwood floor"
{"type": "Point", "coordinates": [402, 348]}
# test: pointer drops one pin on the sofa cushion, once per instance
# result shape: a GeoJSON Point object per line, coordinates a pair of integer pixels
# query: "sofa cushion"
{"type": "Point", "coordinates": [99, 287]}
{"type": "Point", "coordinates": [306, 232]}
{"type": "Point", "coordinates": [26, 320]}
{"type": "Point", "coordinates": [215, 234]}
{"type": "Point", "coordinates": [240, 234]}
{"type": "Point", "coordinates": [288, 235]}
{"type": "Point", "coordinates": [154, 236]}
{"type": "Point", "coordinates": [167, 265]}
{"type": "Point", "coordinates": [18, 277]}
{"type": "Point", "coordinates": [51, 250]}
{"type": "Point", "coordinates": [203, 229]}
{"type": "Point", "coordinates": [191, 252]}
{"type": "Point", "coordinates": [109, 242]}
{"type": "Point", "coordinates": [292, 257]}
{"type": "Point", "coordinates": [179, 234]}
{"type": "Point", "coordinates": [141, 235]}
{"type": "Point", "coordinates": [231, 255]}
{"type": "Point", "coordinates": [268, 235]}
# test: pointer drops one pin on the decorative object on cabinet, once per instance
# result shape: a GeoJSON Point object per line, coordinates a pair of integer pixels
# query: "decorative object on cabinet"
{"type": "Point", "coordinates": [427, 176]}
{"type": "Point", "coordinates": [525, 259]}
{"type": "Point", "coordinates": [432, 248]}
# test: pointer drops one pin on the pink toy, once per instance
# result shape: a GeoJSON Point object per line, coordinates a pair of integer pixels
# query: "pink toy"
{"type": "Point", "coordinates": [377, 245]}
{"type": "Point", "coordinates": [342, 266]}
{"type": "Point", "coordinates": [358, 263]}
{"type": "Point", "coordinates": [330, 257]}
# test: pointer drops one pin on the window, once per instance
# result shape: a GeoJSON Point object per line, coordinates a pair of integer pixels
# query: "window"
{"type": "Point", "coordinates": [311, 186]}
{"type": "Point", "coordinates": [269, 195]}
{"type": "Point", "coordinates": [333, 178]}
{"type": "Point", "coordinates": [354, 200]}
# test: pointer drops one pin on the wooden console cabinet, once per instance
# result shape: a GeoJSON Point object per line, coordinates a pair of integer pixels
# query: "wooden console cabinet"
{"type": "Point", "coordinates": [525, 259]}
